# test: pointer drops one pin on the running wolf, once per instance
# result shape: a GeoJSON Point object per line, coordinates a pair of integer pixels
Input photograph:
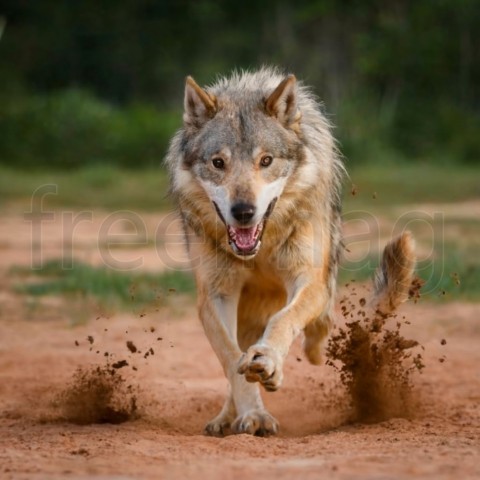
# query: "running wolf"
{"type": "Point", "coordinates": [257, 177]}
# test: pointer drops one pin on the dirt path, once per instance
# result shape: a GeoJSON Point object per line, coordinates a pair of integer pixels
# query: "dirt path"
{"type": "Point", "coordinates": [181, 386]}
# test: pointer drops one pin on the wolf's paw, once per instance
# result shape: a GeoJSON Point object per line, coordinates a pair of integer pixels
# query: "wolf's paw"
{"type": "Point", "coordinates": [256, 422]}
{"type": "Point", "coordinates": [219, 426]}
{"type": "Point", "coordinates": [216, 428]}
{"type": "Point", "coordinates": [262, 364]}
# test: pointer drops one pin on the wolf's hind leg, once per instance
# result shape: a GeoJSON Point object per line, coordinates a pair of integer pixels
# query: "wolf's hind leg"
{"type": "Point", "coordinates": [315, 335]}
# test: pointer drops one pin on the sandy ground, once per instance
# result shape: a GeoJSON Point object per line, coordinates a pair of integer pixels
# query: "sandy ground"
{"type": "Point", "coordinates": [181, 387]}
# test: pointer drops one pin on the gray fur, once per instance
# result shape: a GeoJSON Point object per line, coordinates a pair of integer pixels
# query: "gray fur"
{"type": "Point", "coordinates": [258, 139]}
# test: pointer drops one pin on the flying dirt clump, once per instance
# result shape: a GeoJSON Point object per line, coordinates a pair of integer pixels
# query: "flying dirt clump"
{"type": "Point", "coordinates": [98, 394]}
{"type": "Point", "coordinates": [376, 363]}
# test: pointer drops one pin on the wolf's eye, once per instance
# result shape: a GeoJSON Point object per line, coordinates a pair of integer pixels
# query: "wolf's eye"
{"type": "Point", "coordinates": [218, 162]}
{"type": "Point", "coordinates": [266, 161]}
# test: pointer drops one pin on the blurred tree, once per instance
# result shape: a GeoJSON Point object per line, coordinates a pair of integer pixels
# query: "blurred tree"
{"type": "Point", "coordinates": [409, 67]}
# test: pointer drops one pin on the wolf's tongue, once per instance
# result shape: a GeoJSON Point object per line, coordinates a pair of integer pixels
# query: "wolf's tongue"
{"type": "Point", "coordinates": [245, 238]}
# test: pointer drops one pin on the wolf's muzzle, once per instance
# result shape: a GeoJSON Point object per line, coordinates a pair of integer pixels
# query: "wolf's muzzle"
{"type": "Point", "coordinates": [245, 240]}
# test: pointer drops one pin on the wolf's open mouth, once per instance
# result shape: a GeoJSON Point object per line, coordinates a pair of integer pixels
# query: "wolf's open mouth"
{"type": "Point", "coordinates": [246, 241]}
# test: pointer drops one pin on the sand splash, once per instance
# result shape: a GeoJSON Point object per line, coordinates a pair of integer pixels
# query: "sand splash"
{"type": "Point", "coordinates": [98, 394]}
{"type": "Point", "coordinates": [375, 362]}
{"type": "Point", "coordinates": [101, 393]}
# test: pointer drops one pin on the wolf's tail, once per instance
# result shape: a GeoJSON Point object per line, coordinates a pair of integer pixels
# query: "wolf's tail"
{"type": "Point", "coordinates": [392, 283]}
{"type": "Point", "coordinates": [394, 277]}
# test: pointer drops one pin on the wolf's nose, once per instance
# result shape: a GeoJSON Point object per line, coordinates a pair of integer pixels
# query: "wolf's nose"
{"type": "Point", "coordinates": [243, 212]}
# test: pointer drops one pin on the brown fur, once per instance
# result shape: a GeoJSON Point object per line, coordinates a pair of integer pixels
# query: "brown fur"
{"type": "Point", "coordinates": [394, 277]}
{"type": "Point", "coordinates": [254, 299]}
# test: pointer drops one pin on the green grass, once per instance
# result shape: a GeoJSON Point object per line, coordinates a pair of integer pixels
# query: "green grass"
{"type": "Point", "coordinates": [397, 187]}
{"type": "Point", "coordinates": [94, 187]}
{"type": "Point", "coordinates": [111, 188]}
{"type": "Point", "coordinates": [108, 287]}
{"type": "Point", "coordinates": [397, 184]}
{"type": "Point", "coordinates": [456, 278]}
{"type": "Point", "coordinates": [452, 269]}
{"type": "Point", "coordinates": [452, 272]}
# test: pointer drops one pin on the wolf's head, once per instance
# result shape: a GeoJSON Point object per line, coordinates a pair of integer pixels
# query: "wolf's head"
{"type": "Point", "coordinates": [241, 143]}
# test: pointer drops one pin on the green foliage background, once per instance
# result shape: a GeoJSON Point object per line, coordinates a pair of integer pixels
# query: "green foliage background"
{"type": "Point", "coordinates": [101, 82]}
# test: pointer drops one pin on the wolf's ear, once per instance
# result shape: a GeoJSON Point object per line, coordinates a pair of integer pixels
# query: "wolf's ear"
{"type": "Point", "coordinates": [200, 106]}
{"type": "Point", "coordinates": [282, 103]}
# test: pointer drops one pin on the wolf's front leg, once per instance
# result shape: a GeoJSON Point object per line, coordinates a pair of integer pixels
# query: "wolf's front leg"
{"type": "Point", "coordinates": [263, 362]}
{"type": "Point", "coordinates": [243, 411]}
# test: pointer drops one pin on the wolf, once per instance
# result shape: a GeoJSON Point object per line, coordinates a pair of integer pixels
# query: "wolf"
{"type": "Point", "coordinates": [256, 175]}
